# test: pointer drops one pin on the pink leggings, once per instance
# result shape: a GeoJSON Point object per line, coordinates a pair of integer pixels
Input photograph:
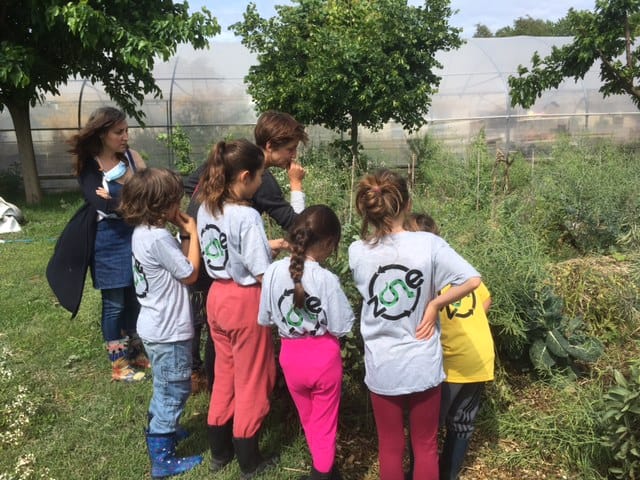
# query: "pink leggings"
{"type": "Point", "coordinates": [312, 368]}
{"type": "Point", "coordinates": [424, 409]}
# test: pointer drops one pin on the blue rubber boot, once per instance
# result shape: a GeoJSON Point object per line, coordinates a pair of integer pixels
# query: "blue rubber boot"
{"type": "Point", "coordinates": [181, 432]}
{"type": "Point", "coordinates": [162, 452]}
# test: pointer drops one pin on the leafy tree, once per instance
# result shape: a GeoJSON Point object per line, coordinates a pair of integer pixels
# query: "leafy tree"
{"type": "Point", "coordinates": [43, 43]}
{"type": "Point", "coordinates": [344, 64]}
{"type": "Point", "coordinates": [482, 31]}
{"type": "Point", "coordinates": [607, 35]}
{"type": "Point", "coordinates": [535, 27]}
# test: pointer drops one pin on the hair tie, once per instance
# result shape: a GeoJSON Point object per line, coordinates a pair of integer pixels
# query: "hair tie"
{"type": "Point", "coordinates": [375, 189]}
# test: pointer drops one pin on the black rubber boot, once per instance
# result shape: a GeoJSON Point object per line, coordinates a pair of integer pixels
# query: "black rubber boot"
{"type": "Point", "coordinates": [249, 457]}
{"type": "Point", "coordinates": [316, 475]}
{"type": "Point", "coordinates": [221, 445]}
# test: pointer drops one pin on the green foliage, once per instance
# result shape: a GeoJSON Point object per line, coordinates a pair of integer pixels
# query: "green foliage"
{"type": "Point", "coordinates": [558, 342]}
{"type": "Point", "coordinates": [621, 423]}
{"type": "Point", "coordinates": [180, 143]}
{"type": "Point", "coordinates": [586, 197]}
{"type": "Point", "coordinates": [482, 31]}
{"type": "Point", "coordinates": [603, 291]}
{"type": "Point", "coordinates": [344, 64]}
{"type": "Point", "coordinates": [551, 423]}
{"type": "Point", "coordinates": [115, 43]}
{"type": "Point", "coordinates": [536, 27]}
{"type": "Point", "coordinates": [491, 214]}
{"type": "Point", "coordinates": [604, 35]}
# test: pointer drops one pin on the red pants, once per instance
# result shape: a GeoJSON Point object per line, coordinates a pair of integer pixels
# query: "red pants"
{"type": "Point", "coordinates": [424, 409]}
{"type": "Point", "coordinates": [312, 367]}
{"type": "Point", "coordinates": [244, 367]}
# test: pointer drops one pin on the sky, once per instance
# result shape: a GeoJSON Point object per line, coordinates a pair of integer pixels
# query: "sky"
{"type": "Point", "coordinates": [494, 14]}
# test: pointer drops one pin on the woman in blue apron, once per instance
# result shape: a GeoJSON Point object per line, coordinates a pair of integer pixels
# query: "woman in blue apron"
{"type": "Point", "coordinates": [103, 163]}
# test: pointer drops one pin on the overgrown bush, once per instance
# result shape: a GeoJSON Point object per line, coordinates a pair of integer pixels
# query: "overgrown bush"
{"type": "Point", "coordinates": [587, 197]}
{"type": "Point", "coordinates": [621, 424]}
{"type": "Point", "coordinates": [603, 290]}
{"type": "Point", "coordinates": [180, 143]}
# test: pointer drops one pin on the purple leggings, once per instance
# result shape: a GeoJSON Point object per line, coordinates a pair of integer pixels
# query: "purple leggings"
{"type": "Point", "coordinates": [424, 408]}
{"type": "Point", "coordinates": [312, 368]}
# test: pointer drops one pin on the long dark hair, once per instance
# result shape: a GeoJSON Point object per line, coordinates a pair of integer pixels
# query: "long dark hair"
{"type": "Point", "coordinates": [226, 160]}
{"type": "Point", "coordinates": [87, 143]}
{"type": "Point", "coordinates": [317, 224]}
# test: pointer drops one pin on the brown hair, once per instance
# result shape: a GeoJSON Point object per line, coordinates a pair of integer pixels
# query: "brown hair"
{"type": "Point", "coordinates": [226, 160]}
{"type": "Point", "coordinates": [278, 128]}
{"type": "Point", "coordinates": [149, 195]}
{"type": "Point", "coordinates": [380, 198]}
{"type": "Point", "coordinates": [417, 222]}
{"type": "Point", "coordinates": [87, 143]}
{"type": "Point", "coordinates": [315, 225]}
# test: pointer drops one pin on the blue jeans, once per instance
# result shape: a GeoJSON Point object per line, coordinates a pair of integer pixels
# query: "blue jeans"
{"type": "Point", "coordinates": [171, 368]}
{"type": "Point", "coordinates": [120, 309]}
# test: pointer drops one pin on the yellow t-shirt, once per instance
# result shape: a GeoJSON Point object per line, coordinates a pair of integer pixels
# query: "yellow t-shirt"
{"type": "Point", "coordinates": [467, 344]}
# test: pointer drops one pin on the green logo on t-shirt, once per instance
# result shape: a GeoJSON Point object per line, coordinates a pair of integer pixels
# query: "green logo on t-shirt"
{"type": "Point", "coordinates": [394, 291]}
{"type": "Point", "coordinates": [215, 252]}
{"type": "Point", "coordinates": [140, 282]}
{"type": "Point", "coordinates": [296, 317]}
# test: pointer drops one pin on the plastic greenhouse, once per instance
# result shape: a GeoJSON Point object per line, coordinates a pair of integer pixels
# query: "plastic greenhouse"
{"type": "Point", "coordinates": [204, 93]}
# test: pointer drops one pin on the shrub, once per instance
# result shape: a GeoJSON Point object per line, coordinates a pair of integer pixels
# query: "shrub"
{"type": "Point", "coordinates": [602, 290]}
{"type": "Point", "coordinates": [180, 143]}
{"type": "Point", "coordinates": [621, 424]}
{"type": "Point", "coordinates": [586, 197]}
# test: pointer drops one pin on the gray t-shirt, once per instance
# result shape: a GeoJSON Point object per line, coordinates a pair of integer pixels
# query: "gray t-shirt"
{"type": "Point", "coordinates": [158, 268]}
{"type": "Point", "coordinates": [397, 277]}
{"type": "Point", "coordinates": [234, 244]}
{"type": "Point", "coordinates": [326, 309]}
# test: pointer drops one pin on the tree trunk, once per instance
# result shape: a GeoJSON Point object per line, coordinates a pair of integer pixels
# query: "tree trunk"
{"type": "Point", "coordinates": [354, 143]}
{"type": "Point", "coordinates": [22, 125]}
{"type": "Point", "coordinates": [354, 163]}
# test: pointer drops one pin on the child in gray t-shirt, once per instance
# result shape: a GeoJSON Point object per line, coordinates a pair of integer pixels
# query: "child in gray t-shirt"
{"type": "Point", "coordinates": [398, 273]}
{"type": "Point", "coordinates": [307, 304]}
{"type": "Point", "coordinates": [162, 269]}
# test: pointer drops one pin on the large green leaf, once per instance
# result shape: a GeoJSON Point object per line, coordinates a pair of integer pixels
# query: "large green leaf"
{"type": "Point", "coordinates": [588, 351]}
{"type": "Point", "coordinates": [557, 344]}
{"type": "Point", "coordinates": [540, 356]}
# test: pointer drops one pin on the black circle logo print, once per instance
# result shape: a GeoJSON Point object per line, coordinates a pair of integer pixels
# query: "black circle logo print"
{"type": "Point", "coordinates": [462, 308]}
{"type": "Point", "coordinates": [214, 247]}
{"type": "Point", "coordinates": [294, 318]}
{"type": "Point", "coordinates": [140, 282]}
{"type": "Point", "coordinates": [394, 291]}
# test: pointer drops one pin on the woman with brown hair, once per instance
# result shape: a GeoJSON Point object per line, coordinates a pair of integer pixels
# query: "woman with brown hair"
{"type": "Point", "coordinates": [103, 163]}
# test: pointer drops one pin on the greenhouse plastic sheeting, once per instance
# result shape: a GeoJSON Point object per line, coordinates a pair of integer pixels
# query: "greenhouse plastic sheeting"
{"type": "Point", "coordinates": [204, 92]}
